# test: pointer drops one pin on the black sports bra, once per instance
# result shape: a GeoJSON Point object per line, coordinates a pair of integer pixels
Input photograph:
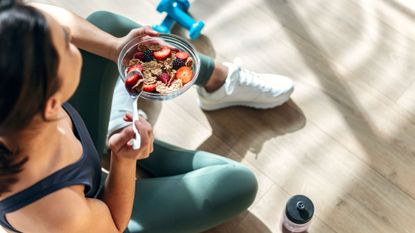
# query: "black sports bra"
{"type": "Point", "coordinates": [85, 171]}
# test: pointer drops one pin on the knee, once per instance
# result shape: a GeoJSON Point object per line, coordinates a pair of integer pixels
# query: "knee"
{"type": "Point", "coordinates": [241, 186]}
{"type": "Point", "coordinates": [100, 16]}
{"type": "Point", "coordinates": [114, 24]}
{"type": "Point", "coordinates": [247, 182]}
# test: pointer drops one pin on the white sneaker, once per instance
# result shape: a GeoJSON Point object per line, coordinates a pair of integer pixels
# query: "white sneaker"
{"type": "Point", "coordinates": [246, 88]}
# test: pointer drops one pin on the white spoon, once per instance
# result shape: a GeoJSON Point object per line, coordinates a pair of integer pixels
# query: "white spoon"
{"type": "Point", "coordinates": [136, 143]}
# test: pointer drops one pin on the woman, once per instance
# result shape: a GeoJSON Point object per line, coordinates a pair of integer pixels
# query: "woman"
{"type": "Point", "coordinates": [50, 169]}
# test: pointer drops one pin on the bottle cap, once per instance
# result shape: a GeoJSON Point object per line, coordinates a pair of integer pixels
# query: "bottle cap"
{"type": "Point", "coordinates": [299, 209]}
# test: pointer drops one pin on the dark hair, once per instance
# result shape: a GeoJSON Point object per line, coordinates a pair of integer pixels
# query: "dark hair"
{"type": "Point", "coordinates": [28, 77]}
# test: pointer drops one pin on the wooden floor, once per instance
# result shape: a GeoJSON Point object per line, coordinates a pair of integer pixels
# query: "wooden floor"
{"type": "Point", "coordinates": [346, 139]}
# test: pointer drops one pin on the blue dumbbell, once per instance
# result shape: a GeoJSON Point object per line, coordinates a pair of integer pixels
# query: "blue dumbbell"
{"type": "Point", "coordinates": [177, 11]}
{"type": "Point", "coordinates": [168, 22]}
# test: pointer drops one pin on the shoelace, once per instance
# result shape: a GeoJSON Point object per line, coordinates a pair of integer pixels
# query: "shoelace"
{"type": "Point", "coordinates": [246, 78]}
{"type": "Point", "coordinates": [249, 78]}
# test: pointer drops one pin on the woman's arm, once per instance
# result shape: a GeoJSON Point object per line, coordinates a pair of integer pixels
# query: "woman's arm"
{"type": "Point", "coordinates": [120, 185]}
{"type": "Point", "coordinates": [84, 34]}
{"type": "Point", "coordinates": [90, 38]}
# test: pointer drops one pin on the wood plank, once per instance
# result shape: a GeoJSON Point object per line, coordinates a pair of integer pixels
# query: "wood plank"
{"type": "Point", "coordinates": [407, 100]}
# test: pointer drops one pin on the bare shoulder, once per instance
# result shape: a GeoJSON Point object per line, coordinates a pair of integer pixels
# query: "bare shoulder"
{"type": "Point", "coordinates": [66, 210]}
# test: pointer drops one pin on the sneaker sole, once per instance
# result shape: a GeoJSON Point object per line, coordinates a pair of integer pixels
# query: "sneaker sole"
{"type": "Point", "coordinates": [212, 107]}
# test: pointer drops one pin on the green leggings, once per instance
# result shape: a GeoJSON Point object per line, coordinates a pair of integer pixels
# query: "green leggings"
{"type": "Point", "coordinates": [190, 191]}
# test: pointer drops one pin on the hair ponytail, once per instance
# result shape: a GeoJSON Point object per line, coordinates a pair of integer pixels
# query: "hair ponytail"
{"type": "Point", "coordinates": [9, 167]}
{"type": "Point", "coordinates": [8, 3]}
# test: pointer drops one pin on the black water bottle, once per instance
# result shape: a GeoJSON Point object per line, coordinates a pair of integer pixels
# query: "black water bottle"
{"type": "Point", "coordinates": [297, 214]}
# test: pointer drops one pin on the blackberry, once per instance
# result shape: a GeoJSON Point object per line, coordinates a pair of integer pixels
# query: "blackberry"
{"type": "Point", "coordinates": [177, 63]}
{"type": "Point", "coordinates": [148, 55]}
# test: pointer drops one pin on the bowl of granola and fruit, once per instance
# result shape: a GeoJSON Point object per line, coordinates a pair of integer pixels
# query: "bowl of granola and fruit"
{"type": "Point", "coordinates": [168, 66]}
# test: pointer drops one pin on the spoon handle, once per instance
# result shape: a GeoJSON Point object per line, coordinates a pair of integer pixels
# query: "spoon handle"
{"type": "Point", "coordinates": [137, 140]}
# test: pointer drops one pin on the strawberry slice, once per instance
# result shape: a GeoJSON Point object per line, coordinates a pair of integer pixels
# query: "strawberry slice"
{"type": "Point", "coordinates": [131, 81]}
{"type": "Point", "coordinates": [162, 54]}
{"type": "Point", "coordinates": [185, 74]}
{"type": "Point", "coordinates": [136, 67]}
{"type": "Point", "coordinates": [182, 55]}
{"type": "Point", "coordinates": [149, 87]}
{"type": "Point", "coordinates": [139, 55]}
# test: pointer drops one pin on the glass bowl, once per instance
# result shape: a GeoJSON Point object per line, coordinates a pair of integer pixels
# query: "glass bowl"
{"type": "Point", "coordinates": [173, 41]}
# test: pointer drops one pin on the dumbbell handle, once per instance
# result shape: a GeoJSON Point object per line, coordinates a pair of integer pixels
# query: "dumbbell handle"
{"type": "Point", "coordinates": [182, 17]}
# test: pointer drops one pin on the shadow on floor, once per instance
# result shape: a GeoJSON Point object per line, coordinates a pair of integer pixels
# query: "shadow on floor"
{"type": "Point", "coordinates": [233, 225]}
{"type": "Point", "coordinates": [241, 129]}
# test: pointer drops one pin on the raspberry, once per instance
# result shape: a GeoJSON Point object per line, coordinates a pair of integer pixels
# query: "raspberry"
{"type": "Point", "coordinates": [139, 55]}
{"type": "Point", "coordinates": [148, 55]}
{"type": "Point", "coordinates": [164, 77]}
{"type": "Point", "coordinates": [177, 63]}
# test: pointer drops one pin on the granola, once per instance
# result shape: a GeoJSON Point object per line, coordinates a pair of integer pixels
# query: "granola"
{"type": "Point", "coordinates": [164, 69]}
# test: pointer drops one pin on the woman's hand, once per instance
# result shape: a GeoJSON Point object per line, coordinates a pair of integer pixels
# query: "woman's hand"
{"type": "Point", "coordinates": [135, 33]}
{"type": "Point", "coordinates": [121, 147]}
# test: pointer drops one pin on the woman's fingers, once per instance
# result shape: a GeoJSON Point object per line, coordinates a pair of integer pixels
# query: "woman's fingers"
{"type": "Point", "coordinates": [145, 31]}
{"type": "Point", "coordinates": [151, 137]}
{"type": "Point", "coordinates": [145, 130]}
{"type": "Point", "coordinates": [149, 31]}
{"type": "Point", "coordinates": [118, 140]}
